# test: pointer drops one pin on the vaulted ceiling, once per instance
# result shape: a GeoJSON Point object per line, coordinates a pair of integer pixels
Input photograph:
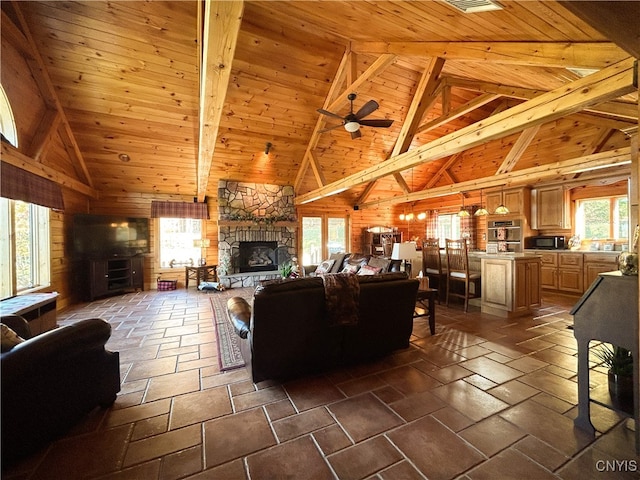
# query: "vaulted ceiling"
{"type": "Point", "coordinates": [188, 93]}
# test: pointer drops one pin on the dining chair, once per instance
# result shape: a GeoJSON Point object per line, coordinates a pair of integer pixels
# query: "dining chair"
{"type": "Point", "coordinates": [458, 272]}
{"type": "Point", "coordinates": [432, 266]}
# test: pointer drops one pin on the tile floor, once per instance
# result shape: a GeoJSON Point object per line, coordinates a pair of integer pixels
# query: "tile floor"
{"type": "Point", "coordinates": [485, 398]}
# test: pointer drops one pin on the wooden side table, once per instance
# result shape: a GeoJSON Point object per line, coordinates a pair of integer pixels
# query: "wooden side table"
{"type": "Point", "coordinates": [203, 273]}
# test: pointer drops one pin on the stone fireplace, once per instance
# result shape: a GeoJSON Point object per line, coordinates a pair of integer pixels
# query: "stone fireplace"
{"type": "Point", "coordinates": [257, 227]}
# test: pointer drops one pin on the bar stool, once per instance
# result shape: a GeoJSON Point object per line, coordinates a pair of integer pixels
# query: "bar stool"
{"type": "Point", "coordinates": [458, 271]}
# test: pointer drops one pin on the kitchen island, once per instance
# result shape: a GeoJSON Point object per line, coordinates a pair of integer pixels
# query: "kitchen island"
{"type": "Point", "coordinates": [510, 283]}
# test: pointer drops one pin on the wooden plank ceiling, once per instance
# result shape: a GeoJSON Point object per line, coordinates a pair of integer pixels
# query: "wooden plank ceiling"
{"type": "Point", "coordinates": [130, 79]}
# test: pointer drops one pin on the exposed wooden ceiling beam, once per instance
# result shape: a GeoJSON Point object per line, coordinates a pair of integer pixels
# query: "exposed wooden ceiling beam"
{"type": "Point", "coordinates": [13, 157]}
{"type": "Point", "coordinates": [617, 21]}
{"type": "Point", "coordinates": [612, 82]}
{"type": "Point", "coordinates": [527, 176]}
{"type": "Point", "coordinates": [551, 54]}
{"type": "Point", "coordinates": [622, 110]}
{"type": "Point", "coordinates": [423, 99]}
{"type": "Point", "coordinates": [520, 145]}
{"type": "Point", "coordinates": [222, 21]}
{"type": "Point", "coordinates": [48, 91]}
{"type": "Point", "coordinates": [458, 112]}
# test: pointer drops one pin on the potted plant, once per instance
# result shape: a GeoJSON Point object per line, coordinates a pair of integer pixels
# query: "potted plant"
{"type": "Point", "coordinates": [619, 362]}
{"type": "Point", "coordinates": [286, 269]}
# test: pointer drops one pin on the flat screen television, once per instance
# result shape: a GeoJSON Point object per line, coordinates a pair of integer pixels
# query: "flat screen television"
{"type": "Point", "coordinates": [109, 236]}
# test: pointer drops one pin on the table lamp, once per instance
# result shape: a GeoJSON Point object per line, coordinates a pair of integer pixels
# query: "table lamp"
{"type": "Point", "coordinates": [202, 244]}
{"type": "Point", "coordinates": [403, 251]}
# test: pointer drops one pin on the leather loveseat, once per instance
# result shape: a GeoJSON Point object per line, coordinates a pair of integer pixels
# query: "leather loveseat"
{"type": "Point", "coordinates": [50, 381]}
{"type": "Point", "coordinates": [340, 262]}
{"type": "Point", "coordinates": [286, 332]}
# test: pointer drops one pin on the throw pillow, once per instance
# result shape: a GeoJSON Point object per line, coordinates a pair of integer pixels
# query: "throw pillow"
{"type": "Point", "coordinates": [9, 338]}
{"type": "Point", "coordinates": [324, 267]}
{"type": "Point", "coordinates": [378, 262]}
{"type": "Point", "coordinates": [349, 268]}
{"type": "Point", "coordinates": [369, 270]}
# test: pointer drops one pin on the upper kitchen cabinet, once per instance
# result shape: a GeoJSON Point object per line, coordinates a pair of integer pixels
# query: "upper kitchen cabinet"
{"type": "Point", "coordinates": [517, 200]}
{"type": "Point", "coordinates": [550, 208]}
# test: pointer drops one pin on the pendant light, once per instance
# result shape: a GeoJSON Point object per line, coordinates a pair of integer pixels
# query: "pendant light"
{"type": "Point", "coordinates": [502, 209]}
{"type": "Point", "coordinates": [463, 212]}
{"type": "Point", "coordinates": [481, 212]}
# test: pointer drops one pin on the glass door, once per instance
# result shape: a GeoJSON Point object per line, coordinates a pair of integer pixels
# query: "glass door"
{"type": "Point", "coordinates": [322, 236]}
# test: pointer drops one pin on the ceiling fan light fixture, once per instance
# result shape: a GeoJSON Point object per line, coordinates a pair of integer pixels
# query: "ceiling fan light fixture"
{"type": "Point", "coordinates": [352, 127]}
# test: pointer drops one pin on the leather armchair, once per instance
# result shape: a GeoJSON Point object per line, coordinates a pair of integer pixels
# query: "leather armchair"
{"type": "Point", "coordinates": [50, 381]}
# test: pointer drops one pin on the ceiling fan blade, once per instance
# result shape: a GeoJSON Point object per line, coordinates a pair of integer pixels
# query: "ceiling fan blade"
{"type": "Point", "coordinates": [356, 134]}
{"type": "Point", "coordinates": [376, 123]}
{"type": "Point", "coordinates": [368, 108]}
{"type": "Point", "coordinates": [329, 128]}
{"type": "Point", "coordinates": [329, 114]}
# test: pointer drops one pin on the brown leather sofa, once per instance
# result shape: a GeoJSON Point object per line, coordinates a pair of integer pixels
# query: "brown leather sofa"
{"type": "Point", "coordinates": [286, 333]}
{"type": "Point", "coordinates": [50, 381]}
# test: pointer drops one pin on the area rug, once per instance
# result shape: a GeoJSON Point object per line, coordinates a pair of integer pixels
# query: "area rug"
{"type": "Point", "coordinates": [229, 356]}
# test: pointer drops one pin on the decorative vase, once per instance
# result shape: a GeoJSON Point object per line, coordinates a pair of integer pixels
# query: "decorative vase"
{"type": "Point", "coordinates": [620, 388]}
{"type": "Point", "coordinates": [628, 263]}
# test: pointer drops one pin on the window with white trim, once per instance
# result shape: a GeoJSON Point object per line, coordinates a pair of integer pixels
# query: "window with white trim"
{"type": "Point", "coordinates": [605, 218]}
{"type": "Point", "coordinates": [177, 237]}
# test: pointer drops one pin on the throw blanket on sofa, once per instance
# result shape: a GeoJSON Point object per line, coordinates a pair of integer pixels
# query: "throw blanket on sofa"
{"type": "Point", "coordinates": [342, 294]}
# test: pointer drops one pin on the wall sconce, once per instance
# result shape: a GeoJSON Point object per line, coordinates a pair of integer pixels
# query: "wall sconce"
{"type": "Point", "coordinates": [267, 148]}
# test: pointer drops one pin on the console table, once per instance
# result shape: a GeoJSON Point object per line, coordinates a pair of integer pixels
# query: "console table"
{"type": "Point", "coordinates": [205, 273]}
{"type": "Point", "coordinates": [39, 309]}
{"type": "Point", "coordinates": [607, 312]}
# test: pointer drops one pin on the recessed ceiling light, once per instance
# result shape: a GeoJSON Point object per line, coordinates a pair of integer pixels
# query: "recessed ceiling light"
{"type": "Point", "coordinates": [474, 6]}
{"type": "Point", "coordinates": [124, 157]}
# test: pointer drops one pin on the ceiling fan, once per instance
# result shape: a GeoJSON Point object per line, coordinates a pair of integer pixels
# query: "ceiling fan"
{"type": "Point", "coordinates": [353, 121]}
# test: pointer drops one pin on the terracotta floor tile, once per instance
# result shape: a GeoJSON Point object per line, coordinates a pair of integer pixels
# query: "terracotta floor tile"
{"type": "Point", "coordinates": [258, 398]}
{"type": "Point", "coordinates": [408, 380]}
{"type": "Point", "coordinates": [150, 427]}
{"type": "Point", "coordinates": [234, 436]}
{"type": "Point", "coordinates": [566, 390]}
{"type": "Point", "coordinates": [434, 449]}
{"type": "Point", "coordinates": [527, 364]}
{"type": "Point", "coordinates": [480, 382]}
{"type": "Point", "coordinates": [492, 435]}
{"type": "Point", "coordinates": [364, 416]}
{"type": "Point", "coordinates": [542, 453]}
{"type": "Point", "coordinates": [233, 470]}
{"type": "Point", "coordinates": [494, 371]}
{"type": "Point", "coordinates": [171, 385]}
{"type": "Point", "coordinates": [331, 439]}
{"type": "Point", "coordinates": [513, 392]}
{"type": "Point", "coordinates": [93, 455]}
{"type": "Point", "coordinates": [451, 373]}
{"type": "Point", "coordinates": [469, 400]}
{"type": "Point", "coordinates": [152, 368]}
{"type": "Point", "coordinates": [452, 418]}
{"type": "Point", "coordinates": [298, 459]}
{"type": "Point", "coordinates": [401, 471]}
{"type": "Point", "coordinates": [164, 444]}
{"type": "Point", "coordinates": [181, 464]}
{"type": "Point", "coordinates": [361, 385]}
{"type": "Point", "coordinates": [364, 459]}
{"type": "Point", "coordinates": [547, 425]}
{"type": "Point", "coordinates": [298, 425]}
{"type": "Point", "coordinates": [280, 409]}
{"type": "Point", "coordinates": [199, 406]}
{"type": "Point", "coordinates": [138, 412]}
{"type": "Point", "coordinates": [417, 405]}
{"type": "Point", "coordinates": [510, 465]}
{"type": "Point", "coordinates": [312, 392]}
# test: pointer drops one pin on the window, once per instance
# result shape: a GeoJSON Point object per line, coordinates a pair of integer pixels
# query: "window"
{"type": "Point", "coordinates": [314, 232]}
{"type": "Point", "coordinates": [448, 227]}
{"type": "Point", "coordinates": [603, 218]}
{"type": "Point", "coordinates": [176, 241]}
{"type": "Point", "coordinates": [25, 252]}
{"type": "Point", "coordinates": [7, 122]}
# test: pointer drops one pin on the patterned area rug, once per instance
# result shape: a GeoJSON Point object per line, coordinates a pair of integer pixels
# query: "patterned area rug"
{"type": "Point", "coordinates": [229, 356]}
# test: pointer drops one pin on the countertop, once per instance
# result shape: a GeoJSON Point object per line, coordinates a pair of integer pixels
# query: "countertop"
{"type": "Point", "coordinates": [504, 255]}
{"type": "Point", "coordinates": [601, 252]}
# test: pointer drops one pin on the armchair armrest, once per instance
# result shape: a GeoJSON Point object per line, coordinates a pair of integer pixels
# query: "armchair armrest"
{"type": "Point", "coordinates": [18, 325]}
{"type": "Point", "coordinates": [240, 315]}
{"type": "Point", "coordinates": [54, 347]}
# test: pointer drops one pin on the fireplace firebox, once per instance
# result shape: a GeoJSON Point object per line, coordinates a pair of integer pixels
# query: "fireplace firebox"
{"type": "Point", "coordinates": [257, 256]}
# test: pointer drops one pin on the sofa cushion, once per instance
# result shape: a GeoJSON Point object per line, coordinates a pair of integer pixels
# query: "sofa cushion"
{"type": "Point", "coordinates": [286, 284]}
{"type": "Point", "coordinates": [369, 270]}
{"type": "Point", "coordinates": [383, 277]}
{"type": "Point", "coordinates": [379, 262]}
{"type": "Point", "coordinates": [349, 268]}
{"type": "Point", "coordinates": [324, 267]}
{"type": "Point", "coordinates": [9, 338]}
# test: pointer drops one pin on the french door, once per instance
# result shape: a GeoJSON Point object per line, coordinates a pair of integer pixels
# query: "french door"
{"type": "Point", "coordinates": [323, 235]}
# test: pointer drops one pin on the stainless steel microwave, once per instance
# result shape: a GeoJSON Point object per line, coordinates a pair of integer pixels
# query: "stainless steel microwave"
{"type": "Point", "coordinates": [545, 242]}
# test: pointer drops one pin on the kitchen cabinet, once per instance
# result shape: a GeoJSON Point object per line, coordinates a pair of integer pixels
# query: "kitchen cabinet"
{"type": "Point", "coordinates": [517, 200]}
{"type": "Point", "coordinates": [510, 284]}
{"type": "Point", "coordinates": [596, 263]}
{"type": "Point", "coordinates": [561, 271]}
{"type": "Point", "coordinates": [550, 208]}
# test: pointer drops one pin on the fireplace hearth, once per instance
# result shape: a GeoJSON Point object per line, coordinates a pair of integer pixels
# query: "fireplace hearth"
{"type": "Point", "coordinates": [257, 256]}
